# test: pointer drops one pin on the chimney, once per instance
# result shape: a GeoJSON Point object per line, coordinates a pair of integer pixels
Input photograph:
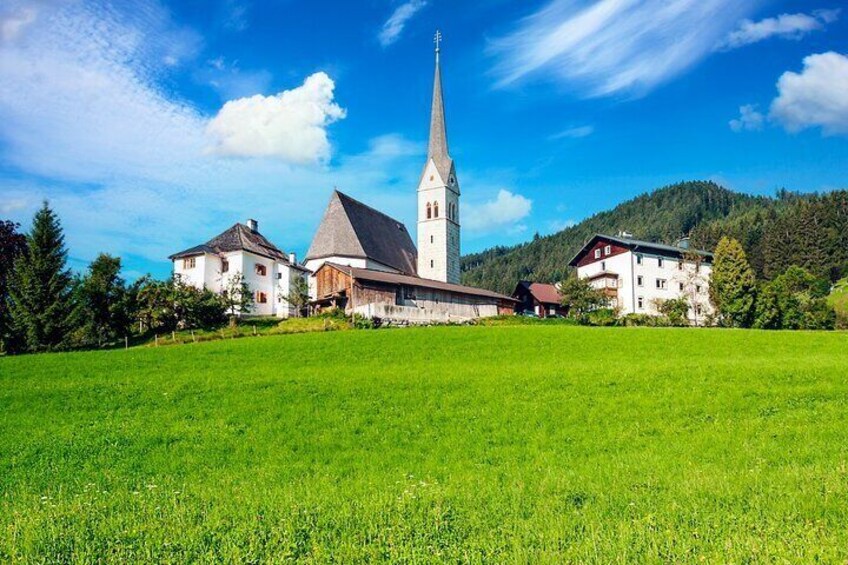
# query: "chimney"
{"type": "Point", "coordinates": [253, 225]}
{"type": "Point", "coordinates": [683, 243]}
{"type": "Point", "coordinates": [292, 258]}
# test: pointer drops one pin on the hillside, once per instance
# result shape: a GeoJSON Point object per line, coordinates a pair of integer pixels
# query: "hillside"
{"type": "Point", "coordinates": [807, 230]}
{"type": "Point", "coordinates": [663, 215]}
{"type": "Point", "coordinates": [673, 446]}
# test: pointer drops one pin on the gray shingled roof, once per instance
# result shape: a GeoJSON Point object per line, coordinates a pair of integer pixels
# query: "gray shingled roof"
{"type": "Point", "coordinates": [411, 280]}
{"type": "Point", "coordinates": [638, 244]}
{"type": "Point", "coordinates": [352, 229]}
{"type": "Point", "coordinates": [437, 149]}
{"type": "Point", "coordinates": [237, 238]}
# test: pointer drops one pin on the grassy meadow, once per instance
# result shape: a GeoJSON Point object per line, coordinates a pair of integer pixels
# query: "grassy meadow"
{"type": "Point", "coordinates": [470, 444]}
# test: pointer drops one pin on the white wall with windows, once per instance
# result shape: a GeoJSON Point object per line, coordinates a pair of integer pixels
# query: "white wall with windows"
{"type": "Point", "coordinates": [643, 279]}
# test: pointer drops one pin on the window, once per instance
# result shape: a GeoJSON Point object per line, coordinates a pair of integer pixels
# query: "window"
{"type": "Point", "coordinates": [189, 263]}
{"type": "Point", "coordinates": [681, 287]}
{"type": "Point", "coordinates": [279, 276]}
{"type": "Point", "coordinates": [607, 249]}
{"type": "Point", "coordinates": [261, 297]}
{"type": "Point", "coordinates": [640, 280]}
{"type": "Point", "coordinates": [603, 265]}
{"type": "Point", "coordinates": [698, 288]}
{"type": "Point", "coordinates": [680, 265]}
{"type": "Point", "coordinates": [429, 210]}
{"type": "Point", "coordinates": [260, 270]}
{"type": "Point", "coordinates": [431, 239]}
{"type": "Point", "coordinates": [640, 303]}
{"type": "Point", "coordinates": [660, 262]}
{"type": "Point", "coordinates": [698, 309]}
{"type": "Point", "coordinates": [435, 209]}
{"type": "Point", "coordinates": [662, 284]}
{"type": "Point", "coordinates": [225, 265]}
{"type": "Point", "coordinates": [598, 253]}
{"type": "Point", "coordinates": [431, 263]}
{"type": "Point", "coordinates": [638, 259]}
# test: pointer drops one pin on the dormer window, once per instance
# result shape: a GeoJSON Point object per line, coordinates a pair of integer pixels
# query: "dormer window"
{"type": "Point", "coordinates": [260, 270]}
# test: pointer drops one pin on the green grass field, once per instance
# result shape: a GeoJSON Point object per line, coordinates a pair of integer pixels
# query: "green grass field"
{"type": "Point", "coordinates": [501, 444]}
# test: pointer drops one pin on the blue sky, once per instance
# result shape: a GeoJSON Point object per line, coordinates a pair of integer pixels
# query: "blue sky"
{"type": "Point", "coordinates": [154, 128]}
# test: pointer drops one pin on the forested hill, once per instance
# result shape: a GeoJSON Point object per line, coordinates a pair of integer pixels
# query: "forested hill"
{"type": "Point", "coordinates": [704, 210]}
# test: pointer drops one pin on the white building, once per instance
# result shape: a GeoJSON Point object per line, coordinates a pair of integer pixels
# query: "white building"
{"type": "Point", "coordinates": [438, 199]}
{"type": "Point", "coordinates": [268, 272]}
{"type": "Point", "coordinates": [638, 275]}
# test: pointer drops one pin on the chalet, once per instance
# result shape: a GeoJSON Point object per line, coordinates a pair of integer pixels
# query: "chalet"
{"type": "Point", "coordinates": [637, 276]}
{"type": "Point", "coordinates": [241, 249]}
{"type": "Point", "coordinates": [542, 299]}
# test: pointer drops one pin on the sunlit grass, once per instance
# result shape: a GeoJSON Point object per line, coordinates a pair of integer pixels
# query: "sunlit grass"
{"type": "Point", "coordinates": [512, 443]}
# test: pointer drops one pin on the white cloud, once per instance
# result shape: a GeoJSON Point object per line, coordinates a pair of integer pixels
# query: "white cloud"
{"type": "Point", "coordinates": [85, 123]}
{"type": "Point", "coordinates": [13, 20]}
{"type": "Point", "coordinates": [814, 97]}
{"type": "Point", "coordinates": [504, 211]}
{"type": "Point", "coordinates": [574, 133]}
{"type": "Point", "coordinates": [749, 119]}
{"type": "Point", "coordinates": [397, 21]}
{"type": "Point", "coordinates": [290, 125]}
{"type": "Point", "coordinates": [787, 26]}
{"type": "Point", "coordinates": [614, 46]}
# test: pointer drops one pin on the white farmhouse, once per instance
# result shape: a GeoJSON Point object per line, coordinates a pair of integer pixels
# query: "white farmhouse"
{"type": "Point", "coordinates": [242, 249]}
{"type": "Point", "coordinates": [638, 275]}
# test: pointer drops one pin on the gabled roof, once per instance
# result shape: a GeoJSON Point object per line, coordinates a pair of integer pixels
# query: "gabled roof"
{"type": "Point", "coordinates": [542, 292]}
{"type": "Point", "coordinates": [411, 280]}
{"type": "Point", "coordinates": [352, 229]}
{"type": "Point", "coordinates": [237, 238]}
{"type": "Point", "coordinates": [639, 245]}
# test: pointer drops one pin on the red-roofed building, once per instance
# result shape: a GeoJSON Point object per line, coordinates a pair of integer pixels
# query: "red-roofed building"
{"type": "Point", "coordinates": [543, 299]}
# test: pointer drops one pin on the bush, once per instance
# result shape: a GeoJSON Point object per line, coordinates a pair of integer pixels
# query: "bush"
{"type": "Point", "coordinates": [645, 320]}
{"type": "Point", "coordinates": [601, 317]}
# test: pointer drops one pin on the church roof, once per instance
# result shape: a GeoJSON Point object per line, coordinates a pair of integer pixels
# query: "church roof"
{"type": "Point", "coordinates": [437, 149]}
{"type": "Point", "coordinates": [237, 238]}
{"type": "Point", "coordinates": [352, 229]}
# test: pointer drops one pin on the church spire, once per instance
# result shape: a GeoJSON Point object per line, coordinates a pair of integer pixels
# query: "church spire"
{"type": "Point", "coordinates": [438, 147]}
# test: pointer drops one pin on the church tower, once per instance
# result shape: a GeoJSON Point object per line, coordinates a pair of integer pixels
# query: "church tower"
{"type": "Point", "coordinates": [438, 198]}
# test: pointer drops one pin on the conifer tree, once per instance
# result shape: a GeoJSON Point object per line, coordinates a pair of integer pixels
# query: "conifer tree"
{"type": "Point", "coordinates": [732, 285]}
{"type": "Point", "coordinates": [40, 287]}
{"type": "Point", "coordinates": [12, 245]}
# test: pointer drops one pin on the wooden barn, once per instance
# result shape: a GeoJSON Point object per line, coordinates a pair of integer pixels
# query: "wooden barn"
{"type": "Point", "coordinates": [403, 298]}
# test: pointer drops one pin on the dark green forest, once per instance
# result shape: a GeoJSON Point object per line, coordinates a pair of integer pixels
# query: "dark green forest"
{"type": "Point", "coordinates": [809, 230]}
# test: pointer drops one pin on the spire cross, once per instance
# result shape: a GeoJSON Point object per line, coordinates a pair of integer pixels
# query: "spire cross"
{"type": "Point", "coordinates": [437, 39]}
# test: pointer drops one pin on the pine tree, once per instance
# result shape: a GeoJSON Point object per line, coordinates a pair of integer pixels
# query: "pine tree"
{"type": "Point", "coordinates": [40, 287]}
{"type": "Point", "coordinates": [732, 284]}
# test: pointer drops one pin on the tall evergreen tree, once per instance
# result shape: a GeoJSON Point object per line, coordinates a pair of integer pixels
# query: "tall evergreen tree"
{"type": "Point", "coordinates": [732, 285]}
{"type": "Point", "coordinates": [40, 287]}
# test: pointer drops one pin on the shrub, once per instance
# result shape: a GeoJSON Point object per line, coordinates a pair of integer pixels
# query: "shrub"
{"type": "Point", "coordinates": [601, 317]}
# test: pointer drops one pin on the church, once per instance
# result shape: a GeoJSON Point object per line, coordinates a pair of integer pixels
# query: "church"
{"type": "Point", "coordinates": [365, 262]}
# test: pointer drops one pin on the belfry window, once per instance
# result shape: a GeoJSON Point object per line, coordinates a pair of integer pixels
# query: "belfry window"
{"type": "Point", "coordinates": [435, 209]}
{"type": "Point", "coordinates": [429, 211]}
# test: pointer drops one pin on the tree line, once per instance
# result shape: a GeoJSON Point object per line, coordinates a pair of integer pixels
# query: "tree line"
{"type": "Point", "coordinates": [44, 307]}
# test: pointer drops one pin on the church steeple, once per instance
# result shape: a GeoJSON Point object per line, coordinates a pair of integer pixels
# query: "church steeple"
{"type": "Point", "coordinates": [438, 147]}
{"type": "Point", "coordinates": [438, 197]}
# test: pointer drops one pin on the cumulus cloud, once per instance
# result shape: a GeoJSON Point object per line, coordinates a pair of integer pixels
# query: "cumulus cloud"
{"type": "Point", "coordinates": [506, 210]}
{"type": "Point", "coordinates": [397, 21]}
{"type": "Point", "coordinates": [606, 47]}
{"type": "Point", "coordinates": [574, 133]}
{"type": "Point", "coordinates": [815, 97]}
{"type": "Point", "coordinates": [749, 119]}
{"type": "Point", "coordinates": [85, 122]}
{"type": "Point", "coordinates": [290, 125]}
{"type": "Point", "coordinates": [786, 26]}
